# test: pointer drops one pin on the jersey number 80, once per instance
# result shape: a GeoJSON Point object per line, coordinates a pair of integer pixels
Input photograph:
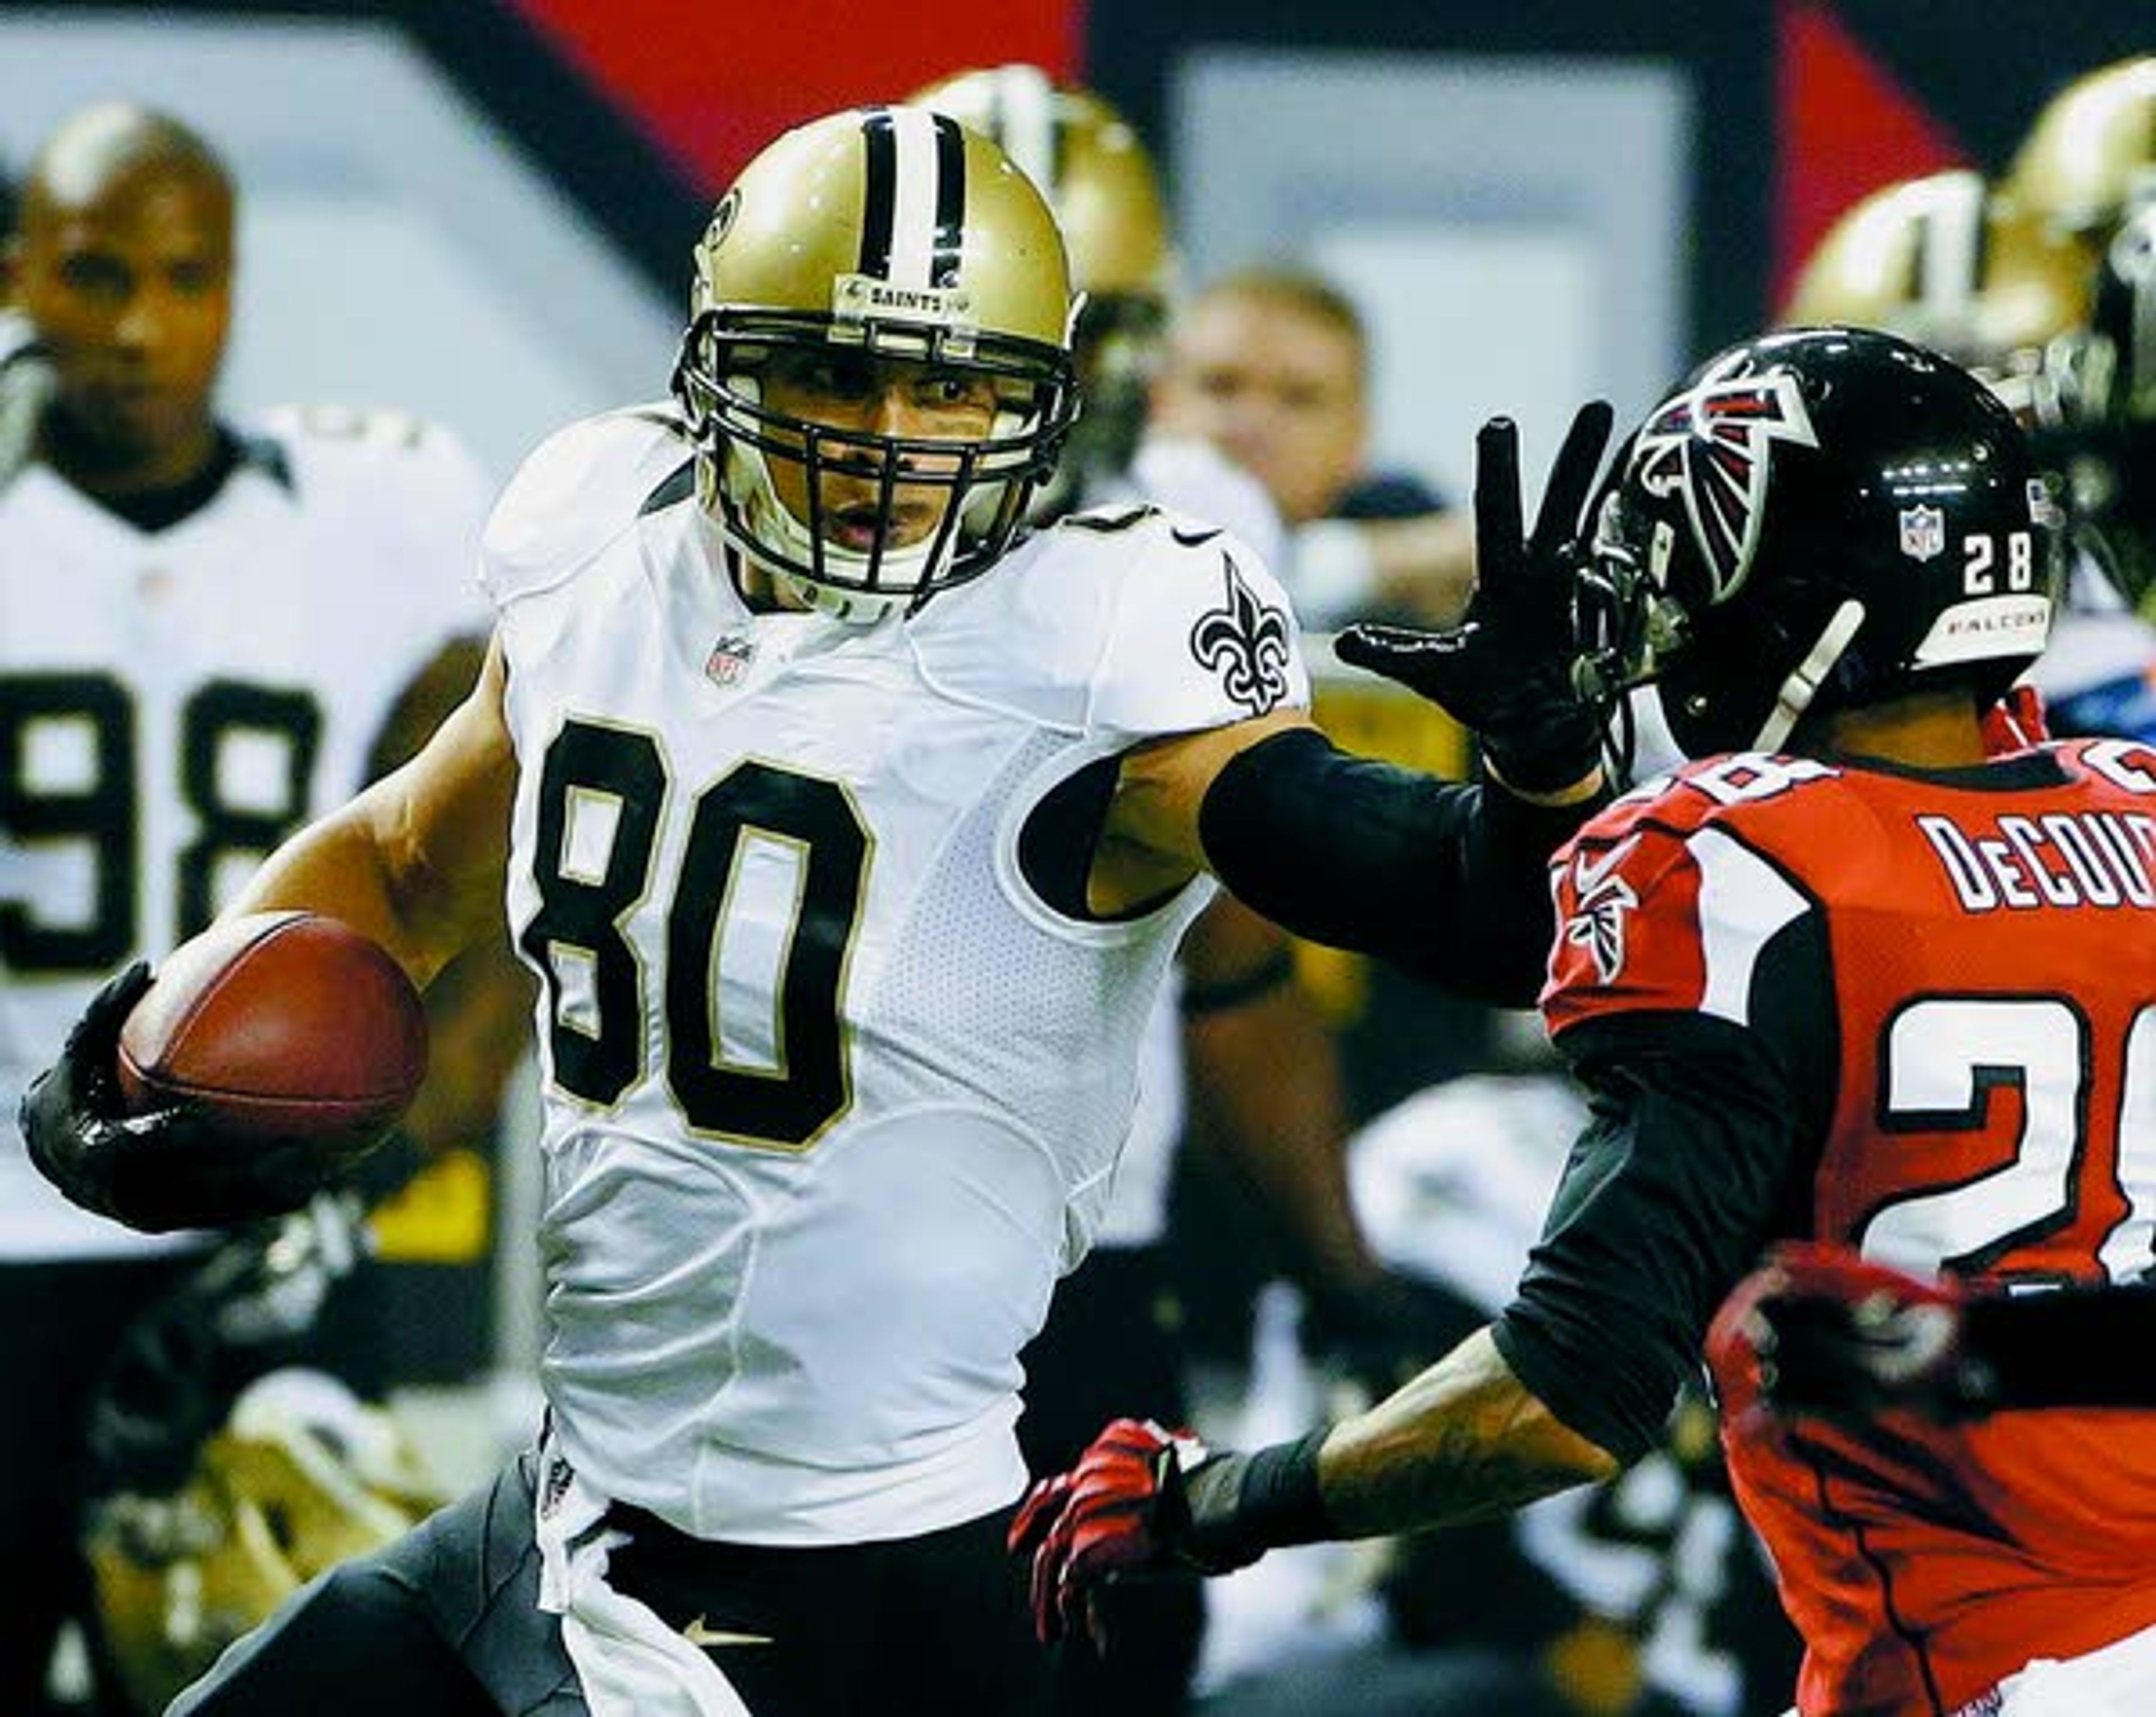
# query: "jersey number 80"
{"type": "Point", "coordinates": [599, 1057]}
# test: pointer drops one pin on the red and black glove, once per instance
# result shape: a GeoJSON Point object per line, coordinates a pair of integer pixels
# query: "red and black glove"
{"type": "Point", "coordinates": [1818, 1330]}
{"type": "Point", "coordinates": [1143, 1500]}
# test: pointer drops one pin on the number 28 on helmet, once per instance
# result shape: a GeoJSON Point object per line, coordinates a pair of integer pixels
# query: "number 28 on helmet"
{"type": "Point", "coordinates": [1815, 520]}
{"type": "Point", "coordinates": [880, 251]}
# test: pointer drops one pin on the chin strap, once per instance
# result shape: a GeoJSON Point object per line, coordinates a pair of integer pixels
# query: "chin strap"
{"type": "Point", "coordinates": [1802, 684]}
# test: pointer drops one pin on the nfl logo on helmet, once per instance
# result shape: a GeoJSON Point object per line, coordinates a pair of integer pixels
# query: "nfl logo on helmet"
{"type": "Point", "coordinates": [1923, 532]}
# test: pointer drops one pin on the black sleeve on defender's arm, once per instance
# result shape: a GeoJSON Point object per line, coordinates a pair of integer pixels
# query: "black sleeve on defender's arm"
{"type": "Point", "coordinates": [1688, 1165]}
{"type": "Point", "coordinates": [1448, 880]}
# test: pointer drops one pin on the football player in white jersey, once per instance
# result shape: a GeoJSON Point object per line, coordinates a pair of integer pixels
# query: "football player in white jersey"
{"type": "Point", "coordinates": [206, 630]}
{"type": "Point", "coordinates": [851, 834]}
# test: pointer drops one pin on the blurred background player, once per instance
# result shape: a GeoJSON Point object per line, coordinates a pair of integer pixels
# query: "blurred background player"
{"type": "Point", "coordinates": [2003, 286]}
{"type": "Point", "coordinates": [1238, 1060]}
{"type": "Point", "coordinates": [1271, 366]}
{"type": "Point", "coordinates": [2088, 160]}
{"type": "Point", "coordinates": [2110, 412]}
{"type": "Point", "coordinates": [211, 631]}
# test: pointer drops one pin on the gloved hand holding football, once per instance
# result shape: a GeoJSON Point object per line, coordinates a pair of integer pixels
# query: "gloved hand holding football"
{"type": "Point", "coordinates": [267, 1056]}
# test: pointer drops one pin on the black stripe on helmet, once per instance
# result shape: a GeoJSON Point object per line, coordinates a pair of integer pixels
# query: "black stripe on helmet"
{"type": "Point", "coordinates": [950, 202]}
{"type": "Point", "coordinates": [879, 192]}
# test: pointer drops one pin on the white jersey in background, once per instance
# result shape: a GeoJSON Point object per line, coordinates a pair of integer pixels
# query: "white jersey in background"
{"type": "Point", "coordinates": [174, 703]}
{"type": "Point", "coordinates": [1180, 474]}
{"type": "Point", "coordinates": [835, 1073]}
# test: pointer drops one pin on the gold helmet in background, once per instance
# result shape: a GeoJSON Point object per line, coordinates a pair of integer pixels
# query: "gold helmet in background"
{"type": "Point", "coordinates": [302, 1476]}
{"type": "Point", "coordinates": [881, 233]}
{"type": "Point", "coordinates": [1942, 261]}
{"type": "Point", "coordinates": [2089, 160]}
{"type": "Point", "coordinates": [1100, 179]}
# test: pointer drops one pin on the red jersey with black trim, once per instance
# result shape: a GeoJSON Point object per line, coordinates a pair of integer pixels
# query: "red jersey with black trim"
{"type": "Point", "coordinates": [1958, 974]}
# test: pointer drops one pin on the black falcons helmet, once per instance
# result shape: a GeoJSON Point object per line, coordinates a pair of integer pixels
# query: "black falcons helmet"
{"type": "Point", "coordinates": [1818, 519]}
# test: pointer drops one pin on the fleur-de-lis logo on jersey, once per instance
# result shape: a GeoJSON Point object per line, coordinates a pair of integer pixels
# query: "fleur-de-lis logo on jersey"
{"type": "Point", "coordinates": [1713, 446]}
{"type": "Point", "coordinates": [1602, 899]}
{"type": "Point", "coordinates": [1244, 643]}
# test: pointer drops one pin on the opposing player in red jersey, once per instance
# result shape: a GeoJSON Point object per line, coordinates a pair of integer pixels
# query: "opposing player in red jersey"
{"type": "Point", "coordinates": [1870, 970]}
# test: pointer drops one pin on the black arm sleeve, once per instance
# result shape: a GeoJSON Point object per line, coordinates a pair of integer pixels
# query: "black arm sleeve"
{"type": "Point", "coordinates": [1447, 880]}
{"type": "Point", "coordinates": [1687, 1168]}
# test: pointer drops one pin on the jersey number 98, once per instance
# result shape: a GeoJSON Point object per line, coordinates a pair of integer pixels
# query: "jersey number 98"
{"type": "Point", "coordinates": [72, 780]}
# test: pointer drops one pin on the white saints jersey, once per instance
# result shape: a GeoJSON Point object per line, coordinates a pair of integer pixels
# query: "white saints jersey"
{"type": "Point", "coordinates": [835, 1066]}
{"type": "Point", "coordinates": [176, 703]}
{"type": "Point", "coordinates": [1180, 473]}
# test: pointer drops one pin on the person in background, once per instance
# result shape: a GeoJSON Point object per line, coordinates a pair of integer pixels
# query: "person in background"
{"type": "Point", "coordinates": [1797, 976]}
{"type": "Point", "coordinates": [209, 630]}
{"type": "Point", "coordinates": [1271, 365]}
{"type": "Point", "coordinates": [1993, 281]}
{"type": "Point", "coordinates": [2088, 159]}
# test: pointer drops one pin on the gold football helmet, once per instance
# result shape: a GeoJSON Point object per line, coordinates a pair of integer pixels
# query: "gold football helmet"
{"type": "Point", "coordinates": [879, 238]}
{"type": "Point", "coordinates": [2090, 158]}
{"type": "Point", "coordinates": [1942, 261]}
{"type": "Point", "coordinates": [302, 1475]}
{"type": "Point", "coordinates": [1100, 180]}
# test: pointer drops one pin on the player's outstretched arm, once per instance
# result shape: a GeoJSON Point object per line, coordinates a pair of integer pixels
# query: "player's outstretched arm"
{"type": "Point", "coordinates": [1464, 1439]}
{"type": "Point", "coordinates": [1443, 878]}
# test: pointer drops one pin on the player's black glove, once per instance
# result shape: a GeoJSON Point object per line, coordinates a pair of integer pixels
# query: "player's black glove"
{"type": "Point", "coordinates": [161, 1170]}
{"type": "Point", "coordinates": [1506, 671]}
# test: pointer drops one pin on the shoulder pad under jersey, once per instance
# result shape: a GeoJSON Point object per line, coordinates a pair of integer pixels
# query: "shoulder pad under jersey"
{"type": "Point", "coordinates": [577, 491]}
{"type": "Point", "coordinates": [311, 446]}
{"type": "Point", "coordinates": [1124, 622]}
{"type": "Point", "coordinates": [1183, 474]}
{"type": "Point", "coordinates": [1671, 855]}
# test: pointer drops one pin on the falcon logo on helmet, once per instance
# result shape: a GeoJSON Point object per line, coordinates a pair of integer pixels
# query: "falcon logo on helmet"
{"type": "Point", "coordinates": [1712, 446]}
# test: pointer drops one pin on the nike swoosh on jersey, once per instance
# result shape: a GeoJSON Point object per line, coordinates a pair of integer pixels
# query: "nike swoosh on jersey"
{"type": "Point", "coordinates": [697, 1634]}
{"type": "Point", "coordinates": [1192, 539]}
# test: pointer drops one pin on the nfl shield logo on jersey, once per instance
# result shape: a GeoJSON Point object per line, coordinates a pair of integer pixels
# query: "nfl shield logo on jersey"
{"type": "Point", "coordinates": [729, 658]}
{"type": "Point", "coordinates": [1923, 532]}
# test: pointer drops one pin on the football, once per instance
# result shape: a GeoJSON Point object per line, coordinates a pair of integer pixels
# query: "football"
{"type": "Point", "coordinates": [285, 1025]}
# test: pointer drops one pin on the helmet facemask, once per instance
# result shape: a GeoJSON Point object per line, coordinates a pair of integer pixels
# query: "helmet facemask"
{"type": "Point", "coordinates": [978, 486]}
